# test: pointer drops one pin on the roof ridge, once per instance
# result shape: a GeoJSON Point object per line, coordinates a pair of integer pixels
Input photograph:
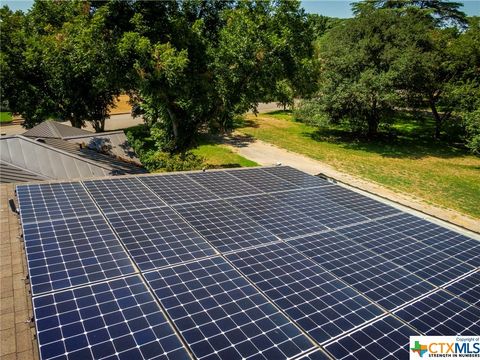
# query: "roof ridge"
{"type": "Point", "coordinates": [53, 127]}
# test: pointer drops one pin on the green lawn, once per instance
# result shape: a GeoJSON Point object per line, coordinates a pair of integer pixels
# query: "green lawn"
{"type": "Point", "coordinates": [5, 117]}
{"type": "Point", "coordinates": [408, 160]}
{"type": "Point", "coordinates": [219, 156]}
{"type": "Point", "coordinates": [208, 153]}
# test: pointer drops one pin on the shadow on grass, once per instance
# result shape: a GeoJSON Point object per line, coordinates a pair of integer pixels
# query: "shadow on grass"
{"type": "Point", "coordinates": [411, 137]}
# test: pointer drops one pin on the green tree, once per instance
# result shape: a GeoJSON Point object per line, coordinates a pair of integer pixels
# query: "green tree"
{"type": "Point", "coordinates": [22, 78]}
{"type": "Point", "coordinates": [211, 60]}
{"type": "Point", "coordinates": [358, 72]}
{"type": "Point", "coordinates": [432, 62]}
{"type": "Point", "coordinates": [84, 70]}
{"type": "Point", "coordinates": [59, 60]}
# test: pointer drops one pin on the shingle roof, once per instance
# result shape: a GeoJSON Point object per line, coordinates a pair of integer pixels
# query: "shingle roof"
{"type": "Point", "coordinates": [54, 129]}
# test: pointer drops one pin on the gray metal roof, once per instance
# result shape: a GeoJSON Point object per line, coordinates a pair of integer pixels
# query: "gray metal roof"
{"type": "Point", "coordinates": [54, 129]}
{"type": "Point", "coordinates": [59, 159]}
{"type": "Point", "coordinates": [113, 143]}
{"type": "Point", "coordinates": [116, 166]}
{"type": "Point", "coordinates": [11, 174]}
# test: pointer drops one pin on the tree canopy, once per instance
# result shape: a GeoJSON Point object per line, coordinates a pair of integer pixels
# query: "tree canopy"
{"type": "Point", "coordinates": [193, 65]}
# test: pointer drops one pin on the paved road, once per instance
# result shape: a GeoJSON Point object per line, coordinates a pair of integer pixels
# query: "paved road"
{"type": "Point", "coordinates": [116, 122]}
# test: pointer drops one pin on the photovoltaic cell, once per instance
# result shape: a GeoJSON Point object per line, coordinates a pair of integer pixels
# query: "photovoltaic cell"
{"type": "Point", "coordinates": [280, 219]}
{"type": "Point", "coordinates": [44, 202]}
{"type": "Point", "coordinates": [177, 189]}
{"type": "Point", "coordinates": [158, 237]}
{"type": "Point", "coordinates": [379, 279]}
{"type": "Point", "coordinates": [71, 252]}
{"type": "Point", "coordinates": [222, 316]}
{"type": "Point", "coordinates": [416, 257]}
{"type": "Point", "coordinates": [118, 319]}
{"type": "Point", "coordinates": [297, 177]}
{"type": "Point", "coordinates": [225, 227]}
{"type": "Point", "coordinates": [316, 355]}
{"type": "Point", "coordinates": [223, 184]}
{"type": "Point", "coordinates": [443, 240]}
{"type": "Point", "coordinates": [468, 288]}
{"type": "Point", "coordinates": [442, 314]}
{"type": "Point", "coordinates": [321, 304]}
{"type": "Point", "coordinates": [121, 194]}
{"type": "Point", "coordinates": [361, 204]}
{"type": "Point", "coordinates": [263, 181]}
{"type": "Point", "coordinates": [317, 207]}
{"type": "Point", "coordinates": [386, 338]}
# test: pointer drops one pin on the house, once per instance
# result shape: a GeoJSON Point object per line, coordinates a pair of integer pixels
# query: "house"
{"type": "Point", "coordinates": [54, 151]}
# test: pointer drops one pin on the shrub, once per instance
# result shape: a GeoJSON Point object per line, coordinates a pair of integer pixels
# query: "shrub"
{"type": "Point", "coordinates": [162, 161]}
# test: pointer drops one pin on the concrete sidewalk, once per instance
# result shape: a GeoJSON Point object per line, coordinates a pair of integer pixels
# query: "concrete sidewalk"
{"type": "Point", "coordinates": [267, 154]}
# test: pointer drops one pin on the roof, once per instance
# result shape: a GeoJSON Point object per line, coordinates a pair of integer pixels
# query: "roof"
{"type": "Point", "coordinates": [58, 159]}
{"type": "Point", "coordinates": [10, 173]}
{"type": "Point", "coordinates": [117, 166]}
{"type": "Point", "coordinates": [113, 143]}
{"type": "Point", "coordinates": [54, 129]}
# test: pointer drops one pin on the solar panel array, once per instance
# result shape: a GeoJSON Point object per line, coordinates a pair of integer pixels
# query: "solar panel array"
{"type": "Point", "coordinates": [265, 263]}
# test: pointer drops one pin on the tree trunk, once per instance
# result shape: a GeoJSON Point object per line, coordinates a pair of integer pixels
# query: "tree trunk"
{"type": "Point", "coordinates": [436, 116]}
{"type": "Point", "coordinates": [76, 122]}
{"type": "Point", "coordinates": [373, 120]}
{"type": "Point", "coordinates": [372, 126]}
{"type": "Point", "coordinates": [174, 121]}
{"type": "Point", "coordinates": [99, 125]}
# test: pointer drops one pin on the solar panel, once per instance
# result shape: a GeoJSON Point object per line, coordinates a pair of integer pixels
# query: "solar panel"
{"type": "Point", "coordinates": [121, 194]}
{"type": "Point", "coordinates": [443, 240]}
{"type": "Point", "coordinates": [71, 252]}
{"type": "Point", "coordinates": [321, 304]}
{"type": "Point", "coordinates": [225, 227]}
{"type": "Point", "coordinates": [44, 202]}
{"type": "Point", "coordinates": [316, 355]}
{"type": "Point", "coordinates": [263, 181]}
{"type": "Point", "coordinates": [403, 250]}
{"type": "Point", "coordinates": [386, 338]}
{"type": "Point", "coordinates": [440, 313]}
{"type": "Point", "coordinates": [158, 237]}
{"type": "Point", "coordinates": [303, 262]}
{"type": "Point", "coordinates": [468, 288]}
{"type": "Point", "coordinates": [222, 316]}
{"type": "Point", "coordinates": [317, 207]}
{"type": "Point", "coordinates": [177, 189]}
{"type": "Point", "coordinates": [361, 204]}
{"type": "Point", "coordinates": [296, 177]}
{"type": "Point", "coordinates": [377, 278]}
{"type": "Point", "coordinates": [282, 220]}
{"type": "Point", "coordinates": [118, 319]}
{"type": "Point", "coordinates": [223, 184]}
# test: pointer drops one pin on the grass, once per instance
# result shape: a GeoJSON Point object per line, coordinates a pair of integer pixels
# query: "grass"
{"type": "Point", "coordinates": [5, 117]}
{"type": "Point", "coordinates": [219, 156]}
{"type": "Point", "coordinates": [406, 159]}
{"type": "Point", "coordinates": [208, 153]}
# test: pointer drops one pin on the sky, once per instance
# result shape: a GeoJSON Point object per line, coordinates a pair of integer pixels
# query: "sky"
{"type": "Point", "coordinates": [334, 8]}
